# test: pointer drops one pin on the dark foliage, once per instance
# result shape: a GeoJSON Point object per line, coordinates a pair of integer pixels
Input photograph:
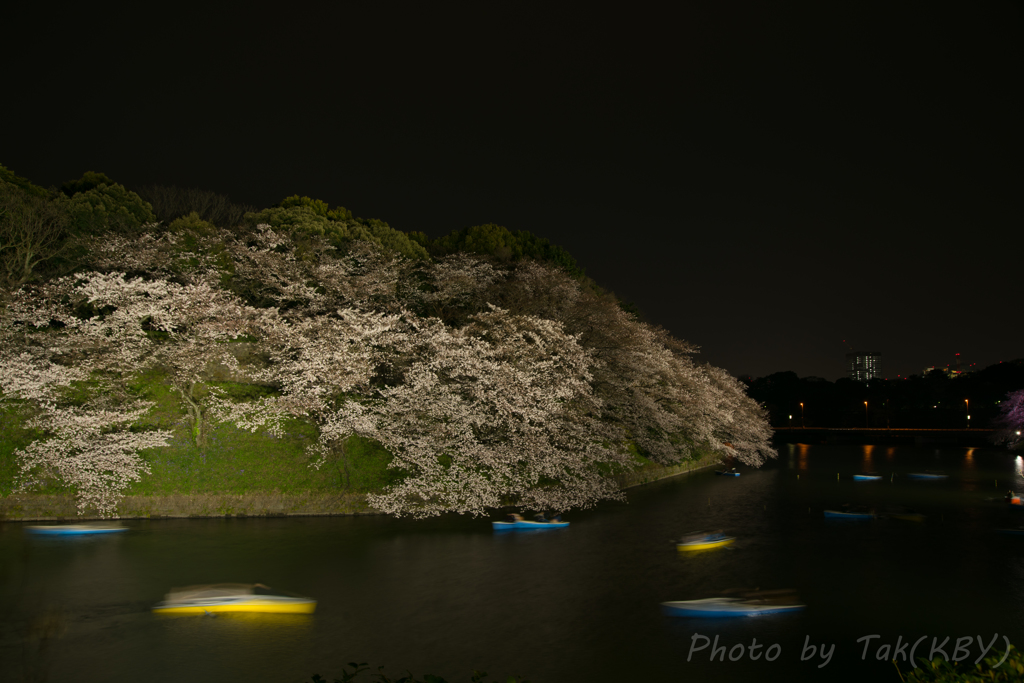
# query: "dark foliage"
{"type": "Point", "coordinates": [90, 180]}
{"type": "Point", "coordinates": [170, 203]}
{"type": "Point", "coordinates": [33, 231]}
{"type": "Point", "coordinates": [8, 176]}
{"type": "Point", "coordinates": [504, 245]}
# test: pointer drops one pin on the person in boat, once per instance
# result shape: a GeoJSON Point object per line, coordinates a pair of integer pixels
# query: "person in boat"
{"type": "Point", "coordinates": [556, 518]}
{"type": "Point", "coordinates": [702, 536]}
{"type": "Point", "coordinates": [539, 517]}
{"type": "Point", "coordinates": [512, 518]}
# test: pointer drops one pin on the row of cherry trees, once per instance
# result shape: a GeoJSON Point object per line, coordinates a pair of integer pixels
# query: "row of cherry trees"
{"type": "Point", "coordinates": [488, 385]}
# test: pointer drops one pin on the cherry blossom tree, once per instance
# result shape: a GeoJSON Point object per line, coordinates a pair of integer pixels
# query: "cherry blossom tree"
{"type": "Point", "coordinates": [529, 402]}
{"type": "Point", "coordinates": [185, 330]}
{"type": "Point", "coordinates": [85, 443]}
{"type": "Point", "coordinates": [662, 402]}
{"type": "Point", "coordinates": [451, 288]}
{"type": "Point", "coordinates": [159, 253]}
{"type": "Point", "coordinates": [1011, 420]}
{"type": "Point", "coordinates": [90, 449]}
{"type": "Point", "coordinates": [498, 412]}
{"type": "Point", "coordinates": [739, 424]}
{"type": "Point", "coordinates": [316, 364]}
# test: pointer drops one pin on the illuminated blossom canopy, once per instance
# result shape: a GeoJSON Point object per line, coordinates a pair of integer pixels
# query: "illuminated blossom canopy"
{"type": "Point", "coordinates": [1011, 420]}
{"type": "Point", "coordinates": [489, 385]}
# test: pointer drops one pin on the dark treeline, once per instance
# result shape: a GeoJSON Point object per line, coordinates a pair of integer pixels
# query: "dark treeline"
{"type": "Point", "coordinates": [934, 401]}
{"type": "Point", "coordinates": [41, 229]}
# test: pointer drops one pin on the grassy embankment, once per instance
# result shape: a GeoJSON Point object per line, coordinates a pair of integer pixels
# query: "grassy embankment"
{"type": "Point", "coordinates": [235, 472]}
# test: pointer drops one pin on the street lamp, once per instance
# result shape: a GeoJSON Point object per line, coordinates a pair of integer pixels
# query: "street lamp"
{"type": "Point", "coordinates": [967, 409]}
{"type": "Point", "coordinates": [865, 414]}
{"type": "Point", "coordinates": [790, 421]}
{"type": "Point", "coordinates": [801, 416]}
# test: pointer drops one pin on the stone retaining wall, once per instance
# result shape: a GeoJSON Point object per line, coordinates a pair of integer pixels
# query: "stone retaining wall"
{"type": "Point", "coordinates": [29, 507]}
{"type": "Point", "coordinates": [655, 472]}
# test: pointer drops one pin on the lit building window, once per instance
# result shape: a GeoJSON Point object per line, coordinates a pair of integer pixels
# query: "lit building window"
{"type": "Point", "coordinates": [863, 365]}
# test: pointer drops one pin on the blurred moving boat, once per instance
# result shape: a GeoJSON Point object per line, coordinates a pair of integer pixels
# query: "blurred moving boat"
{"type": "Point", "coordinates": [700, 540]}
{"type": "Point", "coordinates": [1019, 531]}
{"type": "Point", "coordinates": [514, 521]}
{"type": "Point", "coordinates": [928, 475]}
{"type": "Point", "coordinates": [750, 604]}
{"type": "Point", "coordinates": [850, 513]}
{"type": "Point", "coordinates": [728, 473]}
{"type": "Point", "coordinates": [870, 476]}
{"type": "Point", "coordinates": [233, 597]}
{"type": "Point", "coordinates": [75, 529]}
{"type": "Point", "coordinates": [1013, 499]}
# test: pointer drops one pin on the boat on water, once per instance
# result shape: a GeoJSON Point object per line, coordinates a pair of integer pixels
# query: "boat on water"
{"type": "Point", "coordinates": [868, 476]}
{"type": "Point", "coordinates": [1013, 500]}
{"type": "Point", "coordinates": [75, 529]}
{"type": "Point", "coordinates": [1019, 531]}
{"type": "Point", "coordinates": [928, 475]}
{"type": "Point", "coordinates": [515, 521]}
{"type": "Point", "coordinates": [850, 513]}
{"type": "Point", "coordinates": [728, 473]}
{"type": "Point", "coordinates": [701, 540]}
{"type": "Point", "coordinates": [233, 597]}
{"type": "Point", "coordinates": [749, 604]}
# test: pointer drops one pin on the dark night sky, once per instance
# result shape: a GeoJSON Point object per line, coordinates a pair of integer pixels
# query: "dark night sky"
{"type": "Point", "coordinates": [766, 180]}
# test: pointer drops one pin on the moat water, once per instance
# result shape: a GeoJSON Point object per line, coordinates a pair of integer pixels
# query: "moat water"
{"type": "Point", "coordinates": [447, 596]}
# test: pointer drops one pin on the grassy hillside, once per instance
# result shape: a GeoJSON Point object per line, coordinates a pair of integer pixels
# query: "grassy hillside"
{"type": "Point", "coordinates": [233, 462]}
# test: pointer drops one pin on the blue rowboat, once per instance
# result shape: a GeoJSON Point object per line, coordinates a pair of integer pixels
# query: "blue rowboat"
{"type": "Point", "coordinates": [927, 475]}
{"type": "Point", "coordinates": [730, 607]}
{"type": "Point", "coordinates": [867, 477]}
{"type": "Point", "coordinates": [526, 524]}
{"type": "Point", "coordinates": [836, 514]}
{"type": "Point", "coordinates": [728, 473]}
{"type": "Point", "coordinates": [539, 522]}
{"type": "Point", "coordinates": [1019, 531]}
{"type": "Point", "coordinates": [74, 529]}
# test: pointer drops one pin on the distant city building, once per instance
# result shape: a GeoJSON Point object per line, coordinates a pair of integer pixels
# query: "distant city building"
{"type": "Point", "coordinates": [863, 365]}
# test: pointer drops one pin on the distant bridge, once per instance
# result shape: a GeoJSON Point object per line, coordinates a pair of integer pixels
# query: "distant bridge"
{"type": "Point", "coordinates": [958, 437]}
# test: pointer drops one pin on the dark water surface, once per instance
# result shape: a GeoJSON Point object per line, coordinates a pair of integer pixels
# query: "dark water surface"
{"type": "Point", "coordinates": [446, 596]}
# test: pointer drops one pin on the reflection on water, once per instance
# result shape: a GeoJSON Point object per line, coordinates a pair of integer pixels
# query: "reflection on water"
{"type": "Point", "coordinates": [803, 449]}
{"type": "Point", "coordinates": [250, 622]}
{"type": "Point", "coordinates": [231, 642]}
{"type": "Point", "coordinates": [448, 595]}
{"type": "Point", "coordinates": [867, 465]}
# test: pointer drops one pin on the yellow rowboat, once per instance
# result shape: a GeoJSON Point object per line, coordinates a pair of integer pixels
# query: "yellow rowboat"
{"type": "Point", "coordinates": [704, 541]}
{"type": "Point", "coordinates": [233, 597]}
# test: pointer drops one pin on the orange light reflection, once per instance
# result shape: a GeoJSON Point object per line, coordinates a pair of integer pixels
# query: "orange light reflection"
{"type": "Point", "coordinates": [969, 459]}
{"type": "Point", "coordinates": [867, 463]}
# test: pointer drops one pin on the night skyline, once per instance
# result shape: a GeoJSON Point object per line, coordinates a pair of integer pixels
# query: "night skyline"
{"type": "Point", "coordinates": [778, 186]}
